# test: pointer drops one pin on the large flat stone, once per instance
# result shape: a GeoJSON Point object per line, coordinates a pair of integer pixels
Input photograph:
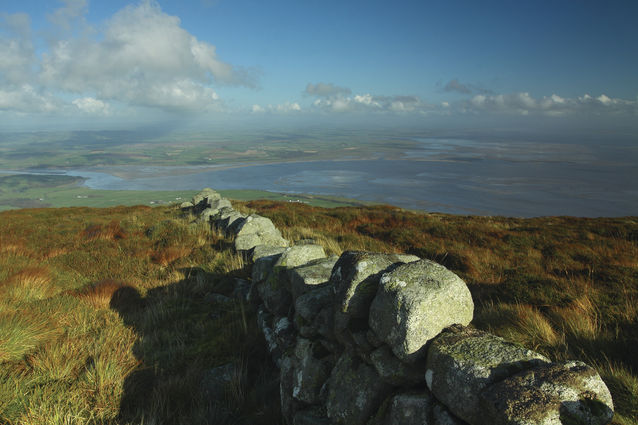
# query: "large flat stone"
{"type": "Point", "coordinates": [461, 362]}
{"type": "Point", "coordinates": [550, 394]}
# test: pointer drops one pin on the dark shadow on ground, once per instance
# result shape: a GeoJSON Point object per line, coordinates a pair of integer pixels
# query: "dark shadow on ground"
{"type": "Point", "coordinates": [186, 330]}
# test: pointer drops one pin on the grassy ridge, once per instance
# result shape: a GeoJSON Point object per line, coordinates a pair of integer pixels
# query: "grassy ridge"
{"type": "Point", "coordinates": [107, 315]}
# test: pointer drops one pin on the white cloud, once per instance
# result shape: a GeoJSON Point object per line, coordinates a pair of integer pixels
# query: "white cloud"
{"type": "Point", "coordinates": [288, 107]}
{"type": "Point", "coordinates": [282, 108]}
{"type": "Point", "coordinates": [370, 103]}
{"type": "Point", "coordinates": [523, 103]}
{"type": "Point", "coordinates": [366, 100]}
{"type": "Point", "coordinates": [17, 55]}
{"type": "Point", "coordinates": [141, 57]}
{"type": "Point", "coordinates": [27, 98]}
{"type": "Point", "coordinates": [145, 58]}
{"type": "Point", "coordinates": [91, 105]}
{"type": "Point", "coordinates": [71, 13]}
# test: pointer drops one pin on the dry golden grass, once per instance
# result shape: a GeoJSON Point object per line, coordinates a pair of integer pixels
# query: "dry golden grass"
{"type": "Point", "coordinates": [565, 286]}
{"type": "Point", "coordinates": [99, 294]}
{"type": "Point", "coordinates": [296, 233]}
{"type": "Point", "coordinates": [579, 319]}
{"type": "Point", "coordinates": [521, 323]}
{"type": "Point", "coordinates": [167, 255]}
{"type": "Point", "coordinates": [14, 247]}
{"type": "Point", "coordinates": [110, 231]}
{"type": "Point", "coordinates": [535, 327]}
{"type": "Point", "coordinates": [230, 262]}
{"type": "Point", "coordinates": [31, 283]}
{"type": "Point", "coordinates": [22, 332]}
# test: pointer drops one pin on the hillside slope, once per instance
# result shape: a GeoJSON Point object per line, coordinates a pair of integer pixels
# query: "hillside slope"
{"type": "Point", "coordinates": [114, 315]}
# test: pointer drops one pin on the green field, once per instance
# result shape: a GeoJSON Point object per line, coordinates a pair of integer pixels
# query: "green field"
{"type": "Point", "coordinates": [39, 191]}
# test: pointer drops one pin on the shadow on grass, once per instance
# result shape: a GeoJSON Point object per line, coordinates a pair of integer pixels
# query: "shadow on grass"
{"type": "Point", "coordinates": [186, 331]}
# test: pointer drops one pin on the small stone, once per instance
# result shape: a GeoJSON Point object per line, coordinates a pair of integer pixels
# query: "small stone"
{"type": "Point", "coordinates": [310, 417]}
{"type": "Point", "coordinates": [299, 255]}
{"type": "Point", "coordinates": [442, 416]}
{"type": "Point", "coordinates": [393, 371]}
{"type": "Point", "coordinates": [218, 299]}
{"type": "Point", "coordinates": [410, 409]}
{"type": "Point", "coordinates": [203, 195]}
{"type": "Point", "coordinates": [263, 266]}
{"type": "Point", "coordinates": [307, 276]}
{"type": "Point", "coordinates": [310, 304]}
{"type": "Point", "coordinates": [311, 371]}
{"type": "Point", "coordinates": [354, 391]}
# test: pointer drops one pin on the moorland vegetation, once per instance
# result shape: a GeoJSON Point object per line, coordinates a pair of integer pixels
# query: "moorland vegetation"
{"type": "Point", "coordinates": [110, 316]}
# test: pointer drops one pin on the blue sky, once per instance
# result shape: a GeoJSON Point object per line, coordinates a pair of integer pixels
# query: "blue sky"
{"type": "Point", "coordinates": [109, 64]}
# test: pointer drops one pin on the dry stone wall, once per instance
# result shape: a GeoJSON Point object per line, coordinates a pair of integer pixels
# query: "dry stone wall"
{"type": "Point", "coordinates": [383, 339]}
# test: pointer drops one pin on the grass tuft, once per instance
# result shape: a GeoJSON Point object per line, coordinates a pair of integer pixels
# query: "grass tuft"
{"type": "Point", "coordinates": [580, 319]}
{"type": "Point", "coordinates": [31, 283]}
{"type": "Point", "coordinates": [110, 231]}
{"type": "Point", "coordinates": [21, 333]}
{"type": "Point", "coordinates": [167, 255]}
{"type": "Point", "coordinates": [100, 293]}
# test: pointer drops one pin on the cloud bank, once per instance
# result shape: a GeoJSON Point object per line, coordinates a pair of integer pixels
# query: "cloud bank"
{"type": "Point", "coordinates": [330, 100]}
{"type": "Point", "coordinates": [141, 56]}
{"type": "Point", "coordinates": [554, 105]}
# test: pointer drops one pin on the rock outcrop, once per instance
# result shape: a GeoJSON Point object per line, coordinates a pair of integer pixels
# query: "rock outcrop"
{"type": "Point", "coordinates": [385, 339]}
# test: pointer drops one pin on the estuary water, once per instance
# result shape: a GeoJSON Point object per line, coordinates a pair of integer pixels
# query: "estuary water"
{"type": "Point", "coordinates": [452, 176]}
{"type": "Point", "coordinates": [484, 187]}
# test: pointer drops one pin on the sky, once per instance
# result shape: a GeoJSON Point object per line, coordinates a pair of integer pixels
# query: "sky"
{"type": "Point", "coordinates": [82, 64]}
